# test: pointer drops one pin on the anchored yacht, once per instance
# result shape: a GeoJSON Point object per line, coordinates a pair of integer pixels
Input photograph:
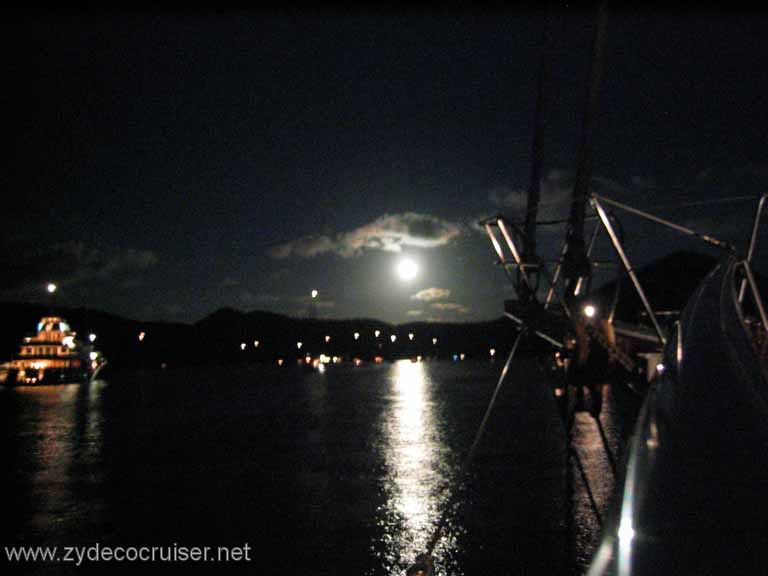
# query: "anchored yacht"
{"type": "Point", "coordinates": [54, 355]}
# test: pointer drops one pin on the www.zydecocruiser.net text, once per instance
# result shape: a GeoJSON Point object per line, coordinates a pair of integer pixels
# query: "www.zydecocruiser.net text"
{"type": "Point", "coordinates": [98, 553]}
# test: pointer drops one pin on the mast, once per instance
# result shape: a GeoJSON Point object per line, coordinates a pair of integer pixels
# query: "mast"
{"type": "Point", "coordinates": [537, 150]}
{"type": "Point", "coordinates": [576, 263]}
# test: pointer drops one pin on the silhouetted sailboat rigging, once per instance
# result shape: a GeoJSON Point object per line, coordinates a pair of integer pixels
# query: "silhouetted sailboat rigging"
{"type": "Point", "coordinates": [688, 493]}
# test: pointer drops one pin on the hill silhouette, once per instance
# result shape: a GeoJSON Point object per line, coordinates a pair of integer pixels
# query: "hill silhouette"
{"type": "Point", "coordinates": [220, 337]}
{"type": "Point", "coordinates": [668, 283]}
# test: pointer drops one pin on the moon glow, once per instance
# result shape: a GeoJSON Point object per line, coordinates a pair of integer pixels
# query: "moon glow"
{"type": "Point", "coordinates": [407, 269]}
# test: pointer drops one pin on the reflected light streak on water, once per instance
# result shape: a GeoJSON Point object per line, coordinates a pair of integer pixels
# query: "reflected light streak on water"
{"type": "Point", "coordinates": [66, 439]}
{"type": "Point", "coordinates": [412, 452]}
{"type": "Point", "coordinates": [418, 472]}
{"type": "Point", "coordinates": [590, 447]}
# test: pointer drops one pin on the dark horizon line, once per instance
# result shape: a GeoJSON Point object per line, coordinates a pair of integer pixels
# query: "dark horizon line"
{"type": "Point", "coordinates": [59, 307]}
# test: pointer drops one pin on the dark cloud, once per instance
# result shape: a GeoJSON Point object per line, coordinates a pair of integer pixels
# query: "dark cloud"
{"type": "Point", "coordinates": [69, 263]}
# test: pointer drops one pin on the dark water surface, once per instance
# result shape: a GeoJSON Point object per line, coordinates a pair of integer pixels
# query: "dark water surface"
{"type": "Point", "coordinates": [342, 472]}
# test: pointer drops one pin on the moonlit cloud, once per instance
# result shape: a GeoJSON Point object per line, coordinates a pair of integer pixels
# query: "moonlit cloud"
{"type": "Point", "coordinates": [612, 187]}
{"type": "Point", "coordinates": [506, 197]}
{"type": "Point", "coordinates": [305, 247]}
{"type": "Point", "coordinates": [389, 233]}
{"type": "Point", "coordinates": [414, 313]}
{"type": "Point", "coordinates": [554, 202]}
{"type": "Point", "coordinates": [555, 197]}
{"type": "Point", "coordinates": [450, 307]}
{"type": "Point", "coordinates": [430, 294]}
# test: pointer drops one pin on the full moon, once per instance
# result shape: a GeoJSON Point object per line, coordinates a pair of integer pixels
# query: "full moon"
{"type": "Point", "coordinates": [407, 269]}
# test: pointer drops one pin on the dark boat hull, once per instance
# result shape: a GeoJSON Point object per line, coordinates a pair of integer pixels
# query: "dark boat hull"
{"type": "Point", "coordinates": [698, 467]}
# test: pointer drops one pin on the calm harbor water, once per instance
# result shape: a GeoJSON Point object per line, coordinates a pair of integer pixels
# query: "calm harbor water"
{"type": "Point", "coordinates": [341, 472]}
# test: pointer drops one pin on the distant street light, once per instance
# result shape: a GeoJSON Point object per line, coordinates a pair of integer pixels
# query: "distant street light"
{"type": "Point", "coordinates": [242, 346]}
{"type": "Point", "coordinates": [376, 333]}
{"type": "Point", "coordinates": [91, 336]}
{"type": "Point", "coordinates": [393, 337]}
{"type": "Point", "coordinates": [51, 288]}
{"type": "Point", "coordinates": [299, 345]}
{"type": "Point", "coordinates": [327, 339]}
{"type": "Point", "coordinates": [410, 336]}
{"type": "Point", "coordinates": [492, 352]}
{"type": "Point", "coordinates": [314, 293]}
{"type": "Point", "coordinates": [255, 343]}
{"type": "Point", "coordinates": [357, 335]}
{"type": "Point", "coordinates": [142, 335]}
{"type": "Point", "coordinates": [434, 341]}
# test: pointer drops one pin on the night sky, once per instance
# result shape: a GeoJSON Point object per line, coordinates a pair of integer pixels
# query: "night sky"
{"type": "Point", "coordinates": [163, 166]}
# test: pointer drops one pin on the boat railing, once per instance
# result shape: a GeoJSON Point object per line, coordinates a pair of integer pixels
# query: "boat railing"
{"type": "Point", "coordinates": [756, 327]}
{"type": "Point", "coordinates": [501, 232]}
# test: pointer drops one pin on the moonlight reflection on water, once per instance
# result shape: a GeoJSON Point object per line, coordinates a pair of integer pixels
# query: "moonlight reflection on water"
{"type": "Point", "coordinates": [420, 467]}
{"type": "Point", "coordinates": [348, 468]}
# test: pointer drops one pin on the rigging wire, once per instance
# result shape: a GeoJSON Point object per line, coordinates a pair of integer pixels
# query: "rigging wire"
{"type": "Point", "coordinates": [471, 454]}
{"type": "Point", "coordinates": [587, 486]}
{"type": "Point", "coordinates": [606, 446]}
{"type": "Point", "coordinates": [657, 207]}
{"type": "Point", "coordinates": [713, 201]}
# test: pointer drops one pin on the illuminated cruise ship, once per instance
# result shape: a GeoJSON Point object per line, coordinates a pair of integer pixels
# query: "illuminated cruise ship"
{"type": "Point", "coordinates": [54, 356]}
